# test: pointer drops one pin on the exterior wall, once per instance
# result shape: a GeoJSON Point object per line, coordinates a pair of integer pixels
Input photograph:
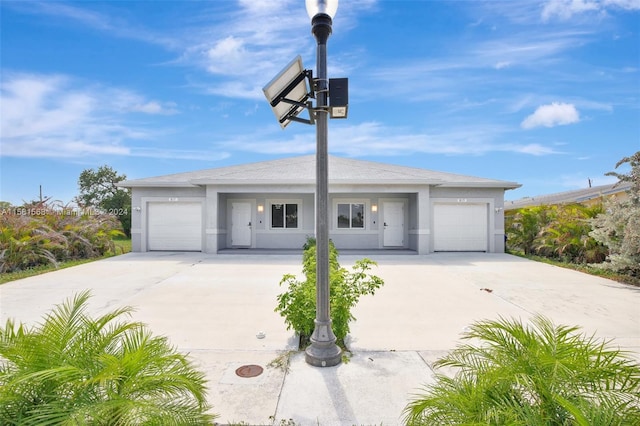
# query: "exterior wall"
{"type": "Point", "coordinates": [216, 220]}
{"type": "Point", "coordinates": [262, 234]}
{"type": "Point", "coordinates": [371, 237]}
{"type": "Point", "coordinates": [418, 207]}
{"type": "Point", "coordinates": [420, 222]}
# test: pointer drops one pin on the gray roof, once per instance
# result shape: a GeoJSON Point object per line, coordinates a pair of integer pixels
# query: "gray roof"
{"type": "Point", "coordinates": [576, 196]}
{"type": "Point", "coordinates": [301, 170]}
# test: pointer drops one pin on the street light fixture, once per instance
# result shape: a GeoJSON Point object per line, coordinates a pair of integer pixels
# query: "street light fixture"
{"type": "Point", "coordinates": [323, 351]}
{"type": "Point", "coordinates": [288, 95]}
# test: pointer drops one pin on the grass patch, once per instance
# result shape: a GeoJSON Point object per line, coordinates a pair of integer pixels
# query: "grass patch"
{"type": "Point", "coordinates": [603, 273]}
{"type": "Point", "coordinates": [122, 246]}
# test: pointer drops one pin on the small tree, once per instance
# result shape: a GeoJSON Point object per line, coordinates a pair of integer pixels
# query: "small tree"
{"type": "Point", "coordinates": [99, 189]}
{"type": "Point", "coordinates": [77, 370]}
{"type": "Point", "coordinates": [619, 226]}
{"type": "Point", "coordinates": [513, 374]}
{"type": "Point", "coordinates": [298, 304]}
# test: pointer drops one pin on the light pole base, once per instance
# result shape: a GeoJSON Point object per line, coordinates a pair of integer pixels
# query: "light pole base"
{"type": "Point", "coordinates": [323, 357]}
{"type": "Point", "coordinates": [323, 351]}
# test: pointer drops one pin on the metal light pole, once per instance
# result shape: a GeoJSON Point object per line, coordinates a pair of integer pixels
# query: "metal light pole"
{"type": "Point", "coordinates": [323, 351]}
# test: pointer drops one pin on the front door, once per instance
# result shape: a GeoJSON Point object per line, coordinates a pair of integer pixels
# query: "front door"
{"type": "Point", "coordinates": [241, 224]}
{"type": "Point", "coordinates": [393, 220]}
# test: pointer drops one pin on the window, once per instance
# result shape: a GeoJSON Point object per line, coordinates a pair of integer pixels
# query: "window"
{"type": "Point", "coordinates": [350, 216]}
{"type": "Point", "coordinates": [284, 215]}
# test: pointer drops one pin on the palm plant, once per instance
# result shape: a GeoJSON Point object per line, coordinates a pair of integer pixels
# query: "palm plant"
{"type": "Point", "coordinates": [567, 235]}
{"type": "Point", "coordinates": [76, 370]}
{"type": "Point", "coordinates": [531, 375]}
{"type": "Point", "coordinates": [525, 225]}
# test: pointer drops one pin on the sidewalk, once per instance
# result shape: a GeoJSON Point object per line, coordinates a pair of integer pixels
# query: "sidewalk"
{"type": "Point", "coordinates": [214, 306]}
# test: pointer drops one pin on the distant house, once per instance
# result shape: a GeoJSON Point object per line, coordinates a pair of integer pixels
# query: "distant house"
{"type": "Point", "coordinates": [270, 205]}
{"type": "Point", "coordinates": [586, 196]}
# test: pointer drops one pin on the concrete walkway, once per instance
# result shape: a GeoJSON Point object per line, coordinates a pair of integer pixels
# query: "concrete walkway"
{"type": "Point", "coordinates": [214, 306]}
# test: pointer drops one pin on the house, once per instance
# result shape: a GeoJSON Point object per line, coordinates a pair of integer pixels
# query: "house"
{"type": "Point", "coordinates": [270, 205]}
{"type": "Point", "coordinates": [587, 196]}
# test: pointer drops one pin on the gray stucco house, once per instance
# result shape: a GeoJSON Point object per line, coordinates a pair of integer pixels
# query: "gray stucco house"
{"type": "Point", "coordinates": [270, 205]}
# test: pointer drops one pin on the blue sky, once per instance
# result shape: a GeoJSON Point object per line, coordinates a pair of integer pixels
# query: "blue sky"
{"type": "Point", "coordinates": [544, 93]}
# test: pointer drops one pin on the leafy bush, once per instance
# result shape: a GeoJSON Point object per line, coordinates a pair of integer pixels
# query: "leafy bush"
{"type": "Point", "coordinates": [36, 235]}
{"type": "Point", "coordinates": [541, 375]}
{"type": "Point", "coordinates": [557, 232]}
{"type": "Point", "coordinates": [298, 304]}
{"type": "Point", "coordinates": [74, 369]}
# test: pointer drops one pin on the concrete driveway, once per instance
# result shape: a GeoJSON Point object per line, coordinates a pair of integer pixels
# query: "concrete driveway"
{"type": "Point", "coordinates": [213, 307]}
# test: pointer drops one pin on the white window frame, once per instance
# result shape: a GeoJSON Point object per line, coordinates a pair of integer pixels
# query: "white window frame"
{"type": "Point", "coordinates": [351, 202]}
{"type": "Point", "coordinates": [270, 203]}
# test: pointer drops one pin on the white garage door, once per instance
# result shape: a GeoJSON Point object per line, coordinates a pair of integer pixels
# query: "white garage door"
{"type": "Point", "coordinates": [460, 227]}
{"type": "Point", "coordinates": [174, 226]}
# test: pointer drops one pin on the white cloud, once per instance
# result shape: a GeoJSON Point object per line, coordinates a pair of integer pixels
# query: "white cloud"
{"type": "Point", "coordinates": [373, 138]}
{"type": "Point", "coordinates": [244, 49]}
{"type": "Point", "coordinates": [52, 116]}
{"type": "Point", "coordinates": [554, 114]}
{"type": "Point", "coordinates": [155, 107]}
{"type": "Point", "coordinates": [225, 55]}
{"type": "Point", "coordinates": [566, 9]}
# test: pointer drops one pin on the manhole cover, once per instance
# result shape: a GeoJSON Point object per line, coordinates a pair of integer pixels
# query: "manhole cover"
{"type": "Point", "coordinates": [249, 371]}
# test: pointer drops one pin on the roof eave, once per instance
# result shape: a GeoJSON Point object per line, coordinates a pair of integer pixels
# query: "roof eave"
{"type": "Point", "coordinates": [504, 185]}
{"type": "Point", "coordinates": [134, 184]}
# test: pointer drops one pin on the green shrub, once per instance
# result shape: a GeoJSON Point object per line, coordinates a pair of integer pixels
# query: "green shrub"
{"type": "Point", "coordinates": [298, 304]}
{"type": "Point", "coordinates": [542, 375]}
{"type": "Point", "coordinates": [76, 370]}
{"type": "Point", "coordinates": [555, 231]}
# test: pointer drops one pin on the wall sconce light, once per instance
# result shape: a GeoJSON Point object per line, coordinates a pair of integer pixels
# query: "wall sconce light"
{"type": "Point", "coordinates": [260, 208]}
{"type": "Point", "coordinates": [137, 209]}
{"type": "Point", "coordinates": [374, 208]}
{"type": "Point", "coordinates": [498, 209]}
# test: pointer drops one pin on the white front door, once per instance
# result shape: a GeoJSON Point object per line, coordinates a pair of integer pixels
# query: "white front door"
{"type": "Point", "coordinates": [393, 222]}
{"type": "Point", "coordinates": [241, 224]}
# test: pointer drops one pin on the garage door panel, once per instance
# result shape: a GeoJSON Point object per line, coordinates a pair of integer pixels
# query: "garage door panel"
{"type": "Point", "coordinates": [460, 227]}
{"type": "Point", "coordinates": [174, 226]}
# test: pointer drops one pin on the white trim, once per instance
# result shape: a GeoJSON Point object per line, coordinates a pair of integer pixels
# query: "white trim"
{"type": "Point", "coordinates": [420, 231]}
{"type": "Point", "coordinates": [215, 231]}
